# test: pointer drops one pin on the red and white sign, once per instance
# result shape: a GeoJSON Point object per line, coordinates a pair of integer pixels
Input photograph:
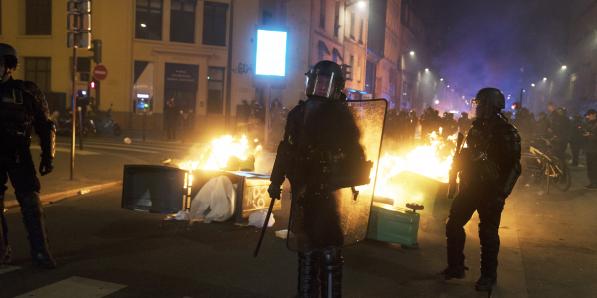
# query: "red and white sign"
{"type": "Point", "coordinates": [100, 72]}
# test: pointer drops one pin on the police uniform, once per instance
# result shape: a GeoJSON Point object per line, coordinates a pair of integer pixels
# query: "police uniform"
{"type": "Point", "coordinates": [321, 141]}
{"type": "Point", "coordinates": [489, 167]}
{"type": "Point", "coordinates": [23, 108]}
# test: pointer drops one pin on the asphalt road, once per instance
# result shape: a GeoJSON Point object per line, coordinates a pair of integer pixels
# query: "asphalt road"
{"type": "Point", "coordinates": [548, 250]}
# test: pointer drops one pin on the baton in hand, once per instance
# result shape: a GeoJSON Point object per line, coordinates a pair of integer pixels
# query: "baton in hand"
{"type": "Point", "coordinates": [265, 224]}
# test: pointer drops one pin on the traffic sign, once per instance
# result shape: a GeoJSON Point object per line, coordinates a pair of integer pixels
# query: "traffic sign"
{"type": "Point", "coordinates": [100, 72]}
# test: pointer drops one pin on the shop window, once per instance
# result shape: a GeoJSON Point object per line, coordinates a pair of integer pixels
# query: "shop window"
{"type": "Point", "coordinates": [215, 91]}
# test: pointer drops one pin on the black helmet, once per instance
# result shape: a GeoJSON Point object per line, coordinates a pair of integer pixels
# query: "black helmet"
{"type": "Point", "coordinates": [8, 56]}
{"type": "Point", "coordinates": [488, 102]}
{"type": "Point", "coordinates": [325, 80]}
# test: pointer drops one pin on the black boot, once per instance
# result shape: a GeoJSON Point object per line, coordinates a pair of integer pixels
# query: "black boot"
{"type": "Point", "coordinates": [485, 283]}
{"type": "Point", "coordinates": [5, 251]}
{"type": "Point", "coordinates": [34, 223]}
{"type": "Point", "coordinates": [308, 274]}
{"type": "Point", "coordinates": [331, 280]}
{"type": "Point", "coordinates": [453, 272]}
{"type": "Point", "coordinates": [5, 255]}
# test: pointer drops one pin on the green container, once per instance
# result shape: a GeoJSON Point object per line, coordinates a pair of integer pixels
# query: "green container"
{"type": "Point", "coordinates": [395, 225]}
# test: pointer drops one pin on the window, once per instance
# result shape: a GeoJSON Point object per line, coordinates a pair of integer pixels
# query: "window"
{"type": "Point", "coordinates": [405, 13]}
{"type": "Point", "coordinates": [361, 31]}
{"type": "Point", "coordinates": [322, 13]}
{"type": "Point", "coordinates": [322, 50]}
{"type": "Point", "coordinates": [214, 23]}
{"type": "Point", "coordinates": [215, 90]}
{"type": "Point", "coordinates": [182, 20]}
{"type": "Point", "coordinates": [38, 15]}
{"type": "Point", "coordinates": [148, 21]}
{"type": "Point", "coordinates": [351, 63]}
{"type": "Point", "coordinates": [352, 21]}
{"type": "Point", "coordinates": [267, 17]}
{"type": "Point", "coordinates": [38, 70]}
{"type": "Point", "coordinates": [336, 18]}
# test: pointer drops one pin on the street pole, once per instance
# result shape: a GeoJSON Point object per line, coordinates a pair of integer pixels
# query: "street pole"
{"type": "Point", "coordinates": [74, 112]}
{"type": "Point", "coordinates": [521, 96]}
{"type": "Point", "coordinates": [78, 22]}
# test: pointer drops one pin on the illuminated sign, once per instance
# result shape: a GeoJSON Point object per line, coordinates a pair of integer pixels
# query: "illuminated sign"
{"type": "Point", "coordinates": [271, 53]}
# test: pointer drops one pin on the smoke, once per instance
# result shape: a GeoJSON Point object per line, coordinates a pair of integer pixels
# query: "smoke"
{"type": "Point", "coordinates": [505, 44]}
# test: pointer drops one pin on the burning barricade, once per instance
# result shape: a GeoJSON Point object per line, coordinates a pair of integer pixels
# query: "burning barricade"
{"type": "Point", "coordinates": [215, 182]}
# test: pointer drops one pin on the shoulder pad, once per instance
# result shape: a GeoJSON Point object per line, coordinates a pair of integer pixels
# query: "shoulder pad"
{"type": "Point", "coordinates": [28, 87]}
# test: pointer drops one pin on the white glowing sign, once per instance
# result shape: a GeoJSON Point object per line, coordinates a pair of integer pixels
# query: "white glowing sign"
{"type": "Point", "coordinates": [271, 53]}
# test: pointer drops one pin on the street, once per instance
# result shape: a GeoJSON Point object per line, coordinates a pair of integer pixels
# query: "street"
{"type": "Point", "coordinates": [548, 250]}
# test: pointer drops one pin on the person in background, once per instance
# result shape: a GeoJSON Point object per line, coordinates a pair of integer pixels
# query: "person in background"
{"type": "Point", "coordinates": [171, 115]}
{"type": "Point", "coordinates": [591, 147]}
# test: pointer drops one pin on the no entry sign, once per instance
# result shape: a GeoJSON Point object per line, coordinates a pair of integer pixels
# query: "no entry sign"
{"type": "Point", "coordinates": [100, 72]}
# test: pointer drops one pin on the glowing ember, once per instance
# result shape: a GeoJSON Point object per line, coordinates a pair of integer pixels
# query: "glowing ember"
{"type": "Point", "coordinates": [220, 152]}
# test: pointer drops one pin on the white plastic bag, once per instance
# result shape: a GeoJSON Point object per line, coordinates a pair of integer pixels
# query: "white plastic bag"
{"type": "Point", "coordinates": [257, 219]}
{"type": "Point", "coordinates": [214, 202]}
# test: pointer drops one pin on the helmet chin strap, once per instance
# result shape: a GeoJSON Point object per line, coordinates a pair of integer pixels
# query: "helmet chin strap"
{"type": "Point", "coordinates": [5, 75]}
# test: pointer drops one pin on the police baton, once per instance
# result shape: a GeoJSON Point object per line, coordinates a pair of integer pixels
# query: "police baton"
{"type": "Point", "coordinates": [265, 224]}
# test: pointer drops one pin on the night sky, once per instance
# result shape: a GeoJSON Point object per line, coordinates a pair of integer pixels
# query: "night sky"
{"type": "Point", "coordinates": [507, 44]}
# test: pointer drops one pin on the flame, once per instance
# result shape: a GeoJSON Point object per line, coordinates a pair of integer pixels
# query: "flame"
{"type": "Point", "coordinates": [219, 152]}
{"type": "Point", "coordinates": [431, 160]}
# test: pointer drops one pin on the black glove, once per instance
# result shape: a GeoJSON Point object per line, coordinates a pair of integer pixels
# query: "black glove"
{"type": "Point", "coordinates": [274, 191]}
{"type": "Point", "coordinates": [45, 166]}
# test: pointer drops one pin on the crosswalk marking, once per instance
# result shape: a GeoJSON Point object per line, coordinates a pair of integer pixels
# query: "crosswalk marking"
{"type": "Point", "coordinates": [75, 286]}
{"type": "Point", "coordinates": [6, 269]}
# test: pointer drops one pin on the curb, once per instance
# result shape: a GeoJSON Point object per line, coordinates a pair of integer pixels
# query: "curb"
{"type": "Point", "coordinates": [59, 196]}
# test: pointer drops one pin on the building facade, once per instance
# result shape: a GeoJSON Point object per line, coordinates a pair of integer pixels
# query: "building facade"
{"type": "Point", "coordinates": [151, 48]}
{"type": "Point", "coordinates": [396, 54]}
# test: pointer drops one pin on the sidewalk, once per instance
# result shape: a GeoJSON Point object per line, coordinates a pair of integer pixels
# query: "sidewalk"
{"type": "Point", "coordinates": [93, 171]}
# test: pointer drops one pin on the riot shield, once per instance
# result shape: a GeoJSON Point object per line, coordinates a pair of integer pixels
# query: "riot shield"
{"type": "Point", "coordinates": [320, 219]}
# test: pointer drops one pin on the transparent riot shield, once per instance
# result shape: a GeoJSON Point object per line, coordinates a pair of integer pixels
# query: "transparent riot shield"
{"type": "Point", "coordinates": [320, 219]}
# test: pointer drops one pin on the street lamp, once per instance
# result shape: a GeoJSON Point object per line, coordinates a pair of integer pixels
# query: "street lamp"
{"type": "Point", "coordinates": [362, 4]}
{"type": "Point", "coordinates": [532, 84]}
{"type": "Point", "coordinates": [412, 53]}
{"type": "Point", "coordinates": [441, 79]}
{"type": "Point", "coordinates": [564, 67]}
{"type": "Point", "coordinates": [426, 69]}
{"type": "Point", "coordinates": [544, 79]}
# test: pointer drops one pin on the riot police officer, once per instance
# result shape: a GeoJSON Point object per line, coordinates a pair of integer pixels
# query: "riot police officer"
{"type": "Point", "coordinates": [488, 169]}
{"type": "Point", "coordinates": [23, 108]}
{"type": "Point", "coordinates": [320, 145]}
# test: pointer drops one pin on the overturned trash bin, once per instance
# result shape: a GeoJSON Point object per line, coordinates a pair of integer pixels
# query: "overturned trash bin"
{"type": "Point", "coordinates": [395, 225]}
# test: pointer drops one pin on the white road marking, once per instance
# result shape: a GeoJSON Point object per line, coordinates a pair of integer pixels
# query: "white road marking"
{"type": "Point", "coordinates": [67, 150]}
{"type": "Point", "coordinates": [75, 286]}
{"type": "Point", "coordinates": [7, 268]}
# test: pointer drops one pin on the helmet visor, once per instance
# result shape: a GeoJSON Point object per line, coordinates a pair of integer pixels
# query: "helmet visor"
{"type": "Point", "coordinates": [323, 85]}
{"type": "Point", "coordinates": [8, 61]}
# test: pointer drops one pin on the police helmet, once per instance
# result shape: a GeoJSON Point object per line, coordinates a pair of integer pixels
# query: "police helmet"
{"type": "Point", "coordinates": [8, 56]}
{"type": "Point", "coordinates": [325, 80]}
{"type": "Point", "coordinates": [488, 102]}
